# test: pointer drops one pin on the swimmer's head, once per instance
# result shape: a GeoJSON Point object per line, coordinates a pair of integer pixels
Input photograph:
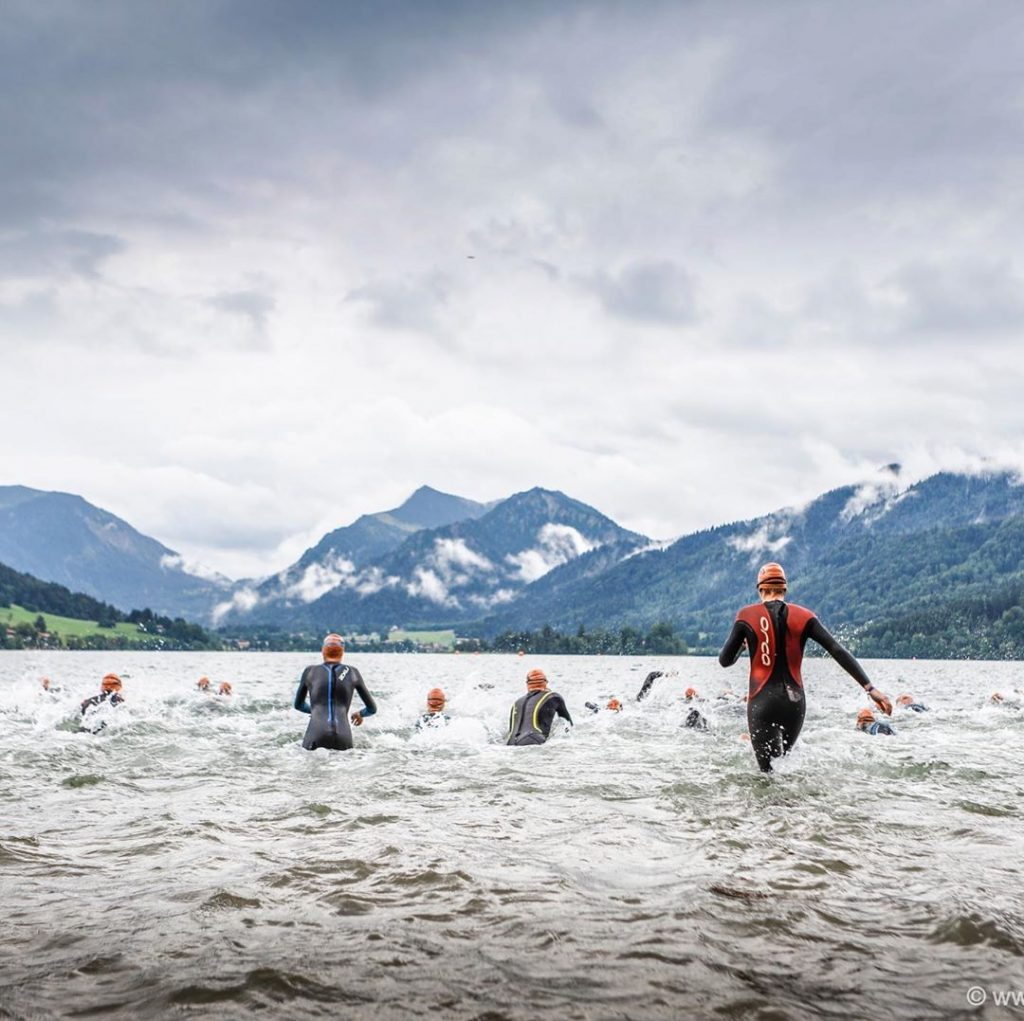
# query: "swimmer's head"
{"type": "Point", "coordinates": [111, 682]}
{"type": "Point", "coordinates": [45, 682]}
{"type": "Point", "coordinates": [435, 700]}
{"type": "Point", "coordinates": [536, 680]}
{"type": "Point", "coordinates": [333, 648]}
{"type": "Point", "coordinates": [225, 688]}
{"type": "Point", "coordinates": [865, 718]}
{"type": "Point", "coordinates": [615, 705]}
{"type": "Point", "coordinates": [904, 700]}
{"type": "Point", "coordinates": [996, 697]}
{"type": "Point", "coordinates": [690, 694]}
{"type": "Point", "coordinates": [203, 684]}
{"type": "Point", "coordinates": [771, 581]}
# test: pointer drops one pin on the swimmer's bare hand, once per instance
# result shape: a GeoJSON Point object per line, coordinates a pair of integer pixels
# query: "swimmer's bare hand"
{"type": "Point", "coordinates": [357, 720]}
{"type": "Point", "coordinates": [882, 701]}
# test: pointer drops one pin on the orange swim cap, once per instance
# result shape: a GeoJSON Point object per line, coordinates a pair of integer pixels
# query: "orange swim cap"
{"type": "Point", "coordinates": [435, 696]}
{"type": "Point", "coordinates": [615, 705]}
{"type": "Point", "coordinates": [904, 700]}
{"type": "Point", "coordinates": [536, 679]}
{"type": "Point", "coordinates": [865, 716]}
{"type": "Point", "coordinates": [690, 693]}
{"type": "Point", "coordinates": [225, 688]}
{"type": "Point", "coordinates": [110, 682]}
{"type": "Point", "coordinates": [45, 682]}
{"type": "Point", "coordinates": [333, 647]}
{"type": "Point", "coordinates": [203, 683]}
{"type": "Point", "coordinates": [771, 574]}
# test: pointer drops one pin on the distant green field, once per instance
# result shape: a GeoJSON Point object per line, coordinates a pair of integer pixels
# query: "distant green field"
{"type": "Point", "coordinates": [11, 616]}
{"type": "Point", "coordinates": [444, 638]}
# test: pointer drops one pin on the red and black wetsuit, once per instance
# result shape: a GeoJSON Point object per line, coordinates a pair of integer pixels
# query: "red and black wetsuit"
{"type": "Point", "coordinates": [775, 634]}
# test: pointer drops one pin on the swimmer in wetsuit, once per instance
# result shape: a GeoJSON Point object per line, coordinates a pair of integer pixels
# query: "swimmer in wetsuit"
{"type": "Point", "coordinates": [775, 633]}
{"type": "Point", "coordinates": [907, 702]}
{"type": "Point", "coordinates": [325, 692]}
{"type": "Point", "coordinates": [532, 715]}
{"type": "Point", "coordinates": [435, 716]}
{"type": "Point", "coordinates": [695, 721]}
{"type": "Point", "coordinates": [613, 706]}
{"type": "Point", "coordinates": [110, 692]}
{"type": "Point", "coordinates": [866, 721]}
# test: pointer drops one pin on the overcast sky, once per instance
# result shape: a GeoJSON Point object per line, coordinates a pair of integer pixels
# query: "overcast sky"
{"type": "Point", "coordinates": [265, 266]}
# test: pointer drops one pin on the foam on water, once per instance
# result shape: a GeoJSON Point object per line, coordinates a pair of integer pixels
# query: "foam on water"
{"type": "Point", "coordinates": [191, 857]}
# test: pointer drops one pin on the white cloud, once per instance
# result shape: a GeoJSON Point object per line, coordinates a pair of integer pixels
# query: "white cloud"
{"type": "Point", "coordinates": [760, 542]}
{"type": "Point", "coordinates": [427, 584]}
{"type": "Point", "coordinates": [244, 600]}
{"type": "Point", "coordinates": [318, 579]}
{"type": "Point", "coordinates": [874, 498]}
{"type": "Point", "coordinates": [556, 545]}
{"type": "Point", "coordinates": [278, 311]}
{"type": "Point", "coordinates": [176, 562]}
{"type": "Point", "coordinates": [456, 562]}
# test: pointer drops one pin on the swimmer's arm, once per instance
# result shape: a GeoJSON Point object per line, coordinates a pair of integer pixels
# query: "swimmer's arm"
{"type": "Point", "coordinates": [817, 631]}
{"type": "Point", "coordinates": [301, 701]}
{"type": "Point", "coordinates": [561, 709]}
{"type": "Point", "coordinates": [369, 706]}
{"type": "Point", "coordinates": [733, 644]}
{"type": "Point", "coordinates": [647, 685]}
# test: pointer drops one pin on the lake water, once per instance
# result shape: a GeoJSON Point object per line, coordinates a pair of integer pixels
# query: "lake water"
{"type": "Point", "coordinates": [191, 859]}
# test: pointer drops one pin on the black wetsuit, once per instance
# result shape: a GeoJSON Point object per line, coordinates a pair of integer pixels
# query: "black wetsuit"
{"type": "Point", "coordinates": [695, 721]}
{"type": "Point", "coordinates": [879, 727]}
{"type": "Point", "coordinates": [108, 697]}
{"type": "Point", "coordinates": [325, 692]}
{"type": "Point", "coordinates": [532, 715]}
{"type": "Point", "coordinates": [645, 688]}
{"type": "Point", "coordinates": [112, 697]}
{"type": "Point", "coordinates": [775, 711]}
{"type": "Point", "coordinates": [433, 721]}
{"type": "Point", "coordinates": [915, 707]}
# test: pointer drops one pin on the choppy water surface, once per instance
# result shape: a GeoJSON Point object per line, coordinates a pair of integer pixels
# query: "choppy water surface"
{"type": "Point", "coordinates": [192, 859]}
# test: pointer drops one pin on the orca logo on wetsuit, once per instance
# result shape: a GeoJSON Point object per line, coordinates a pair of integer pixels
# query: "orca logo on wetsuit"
{"type": "Point", "coordinates": [766, 645]}
{"type": "Point", "coordinates": [768, 640]}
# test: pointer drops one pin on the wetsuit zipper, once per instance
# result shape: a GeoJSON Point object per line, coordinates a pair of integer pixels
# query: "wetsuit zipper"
{"type": "Point", "coordinates": [330, 693]}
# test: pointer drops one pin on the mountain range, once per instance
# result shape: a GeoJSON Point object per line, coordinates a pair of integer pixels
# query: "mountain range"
{"type": "Point", "coordinates": [59, 537]}
{"type": "Point", "coordinates": [859, 555]}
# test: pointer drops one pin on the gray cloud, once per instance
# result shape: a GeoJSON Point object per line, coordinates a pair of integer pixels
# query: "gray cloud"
{"type": "Point", "coordinates": [252, 305]}
{"type": "Point", "coordinates": [654, 290]}
{"type": "Point", "coordinates": [55, 253]}
{"type": "Point", "coordinates": [228, 197]}
{"type": "Point", "coordinates": [964, 297]}
{"type": "Point", "coordinates": [412, 303]}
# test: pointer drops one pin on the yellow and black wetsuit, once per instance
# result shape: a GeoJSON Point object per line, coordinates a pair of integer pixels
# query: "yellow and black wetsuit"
{"type": "Point", "coordinates": [532, 715]}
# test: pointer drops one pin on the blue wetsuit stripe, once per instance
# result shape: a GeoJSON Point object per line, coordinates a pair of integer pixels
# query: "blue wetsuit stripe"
{"type": "Point", "coordinates": [330, 692]}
